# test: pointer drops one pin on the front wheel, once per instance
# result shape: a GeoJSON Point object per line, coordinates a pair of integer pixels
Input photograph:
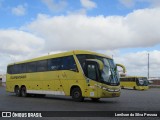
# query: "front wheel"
{"type": "Point", "coordinates": [77, 95]}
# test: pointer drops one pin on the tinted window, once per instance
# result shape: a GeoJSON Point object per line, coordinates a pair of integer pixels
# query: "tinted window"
{"type": "Point", "coordinates": [63, 63]}
{"type": "Point", "coordinates": [68, 63]}
{"type": "Point", "coordinates": [16, 69]}
{"type": "Point", "coordinates": [23, 68]}
{"type": "Point", "coordinates": [42, 65]}
{"type": "Point", "coordinates": [31, 67]}
{"type": "Point", "coordinates": [54, 64]}
{"type": "Point", "coordinates": [10, 69]}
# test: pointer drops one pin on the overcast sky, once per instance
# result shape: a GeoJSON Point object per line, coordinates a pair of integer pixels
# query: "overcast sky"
{"type": "Point", "coordinates": [126, 29]}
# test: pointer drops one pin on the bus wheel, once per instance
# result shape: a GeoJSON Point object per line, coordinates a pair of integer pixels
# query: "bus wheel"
{"type": "Point", "coordinates": [17, 91]}
{"type": "Point", "coordinates": [23, 91]}
{"type": "Point", "coordinates": [77, 95]}
{"type": "Point", "coordinates": [95, 99]}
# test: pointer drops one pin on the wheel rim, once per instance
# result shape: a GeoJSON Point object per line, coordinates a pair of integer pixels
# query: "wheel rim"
{"type": "Point", "coordinates": [76, 94]}
{"type": "Point", "coordinates": [23, 92]}
{"type": "Point", "coordinates": [17, 91]}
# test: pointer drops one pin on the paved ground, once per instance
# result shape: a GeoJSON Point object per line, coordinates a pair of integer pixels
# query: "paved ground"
{"type": "Point", "coordinates": [130, 100]}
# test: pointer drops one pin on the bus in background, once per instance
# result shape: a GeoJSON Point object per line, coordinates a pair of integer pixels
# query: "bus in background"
{"type": "Point", "coordinates": [134, 82]}
{"type": "Point", "coordinates": [80, 74]}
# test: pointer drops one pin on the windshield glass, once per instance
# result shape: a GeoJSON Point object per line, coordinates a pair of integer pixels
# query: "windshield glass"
{"type": "Point", "coordinates": [109, 74]}
{"type": "Point", "coordinates": [143, 81]}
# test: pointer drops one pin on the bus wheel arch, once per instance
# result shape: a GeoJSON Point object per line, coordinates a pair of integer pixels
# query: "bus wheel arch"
{"type": "Point", "coordinates": [17, 90]}
{"type": "Point", "coordinates": [76, 94]}
{"type": "Point", "coordinates": [23, 91]}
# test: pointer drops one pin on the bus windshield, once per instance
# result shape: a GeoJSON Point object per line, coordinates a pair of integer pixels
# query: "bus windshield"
{"type": "Point", "coordinates": [143, 81]}
{"type": "Point", "coordinates": [109, 74]}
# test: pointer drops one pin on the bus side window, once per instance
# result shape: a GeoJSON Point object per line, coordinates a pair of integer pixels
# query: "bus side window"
{"type": "Point", "coordinates": [31, 67]}
{"type": "Point", "coordinates": [68, 63]}
{"type": "Point", "coordinates": [16, 69]}
{"type": "Point", "coordinates": [10, 69]}
{"type": "Point", "coordinates": [134, 79]}
{"type": "Point", "coordinates": [42, 66]}
{"type": "Point", "coordinates": [54, 64]}
{"type": "Point", "coordinates": [23, 68]}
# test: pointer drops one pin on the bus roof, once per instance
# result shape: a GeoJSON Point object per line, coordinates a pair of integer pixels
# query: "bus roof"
{"type": "Point", "coordinates": [62, 55]}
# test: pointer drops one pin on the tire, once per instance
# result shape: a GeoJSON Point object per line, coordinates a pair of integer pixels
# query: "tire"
{"type": "Point", "coordinates": [17, 91]}
{"type": "Point", "coordinates": [77, 95]}
{"type": "Point", "coordinates": [95, 99]}
{"type": "Point", "coordinates": [134, 88]}
{"type": "Point", "coordinates": [23, 92]}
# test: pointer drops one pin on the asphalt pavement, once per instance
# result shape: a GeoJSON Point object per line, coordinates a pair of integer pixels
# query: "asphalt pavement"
{"type": "Point", "coordinates": [130, 100]}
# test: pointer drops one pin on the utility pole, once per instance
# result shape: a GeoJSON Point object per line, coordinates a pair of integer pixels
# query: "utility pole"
{"type": "Point", "coordinates": [148, 65]}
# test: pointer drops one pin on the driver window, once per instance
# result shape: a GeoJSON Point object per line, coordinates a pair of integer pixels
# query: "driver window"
{"type": "Point", "coordinates": [91, 72]}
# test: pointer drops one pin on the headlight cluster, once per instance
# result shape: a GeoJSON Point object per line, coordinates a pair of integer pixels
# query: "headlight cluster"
{"type": "Point", "coordinates": [108, 89]}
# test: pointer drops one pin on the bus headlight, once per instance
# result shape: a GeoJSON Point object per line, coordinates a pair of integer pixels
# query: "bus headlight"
{"type": "Point", "coordinates": [113, 90]}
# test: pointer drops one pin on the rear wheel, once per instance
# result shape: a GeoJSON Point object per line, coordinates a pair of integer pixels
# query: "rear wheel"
{"type": "Point", "coordinates": [77, 95]}
{"type": "Point", "coordinates": [23, 92]}
{"type": "Point", "coordinates": [17, 91]}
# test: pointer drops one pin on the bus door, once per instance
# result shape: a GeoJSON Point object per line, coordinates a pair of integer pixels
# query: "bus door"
{"type": "Point", "coordinates": [92, 79]}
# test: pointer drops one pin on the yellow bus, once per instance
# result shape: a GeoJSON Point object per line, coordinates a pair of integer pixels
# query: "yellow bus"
{"type": "Point", "coordinates": [134, 82]}
{"type": "Point", "coordinates": [80, 74]}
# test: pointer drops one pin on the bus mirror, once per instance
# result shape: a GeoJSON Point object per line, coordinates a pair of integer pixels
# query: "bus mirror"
{"type": "Point", "coordinates": [100, 64]}
{"type": "Point", "coordinates": [95, 61]}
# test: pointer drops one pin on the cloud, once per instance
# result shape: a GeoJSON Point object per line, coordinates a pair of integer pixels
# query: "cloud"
{"type": "Point", "coordinates": [153, 3]}
{"type": "Point", "coordinates": [88, 4]}
{"type": "Point", "coordinates": [20, 10]}
{"type": "Point", "coordinates": [132, 3]}
{"type": "Point", "coordinates": [55, 7]}
{"type": "Point", "coordinates": [137, 63]}
{"type": "Point", "coordinates": [77, 12]}
{"type": "Point", "coordinates": [128, 3]}
{"type": "Point", "coordinates": [138, 29]}
{"type": "Point", "coordinates": [15, 42]}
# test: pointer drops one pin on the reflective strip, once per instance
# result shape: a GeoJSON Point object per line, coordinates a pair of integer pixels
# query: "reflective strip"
{"type": "Point", "coordinates": [46, 92]}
